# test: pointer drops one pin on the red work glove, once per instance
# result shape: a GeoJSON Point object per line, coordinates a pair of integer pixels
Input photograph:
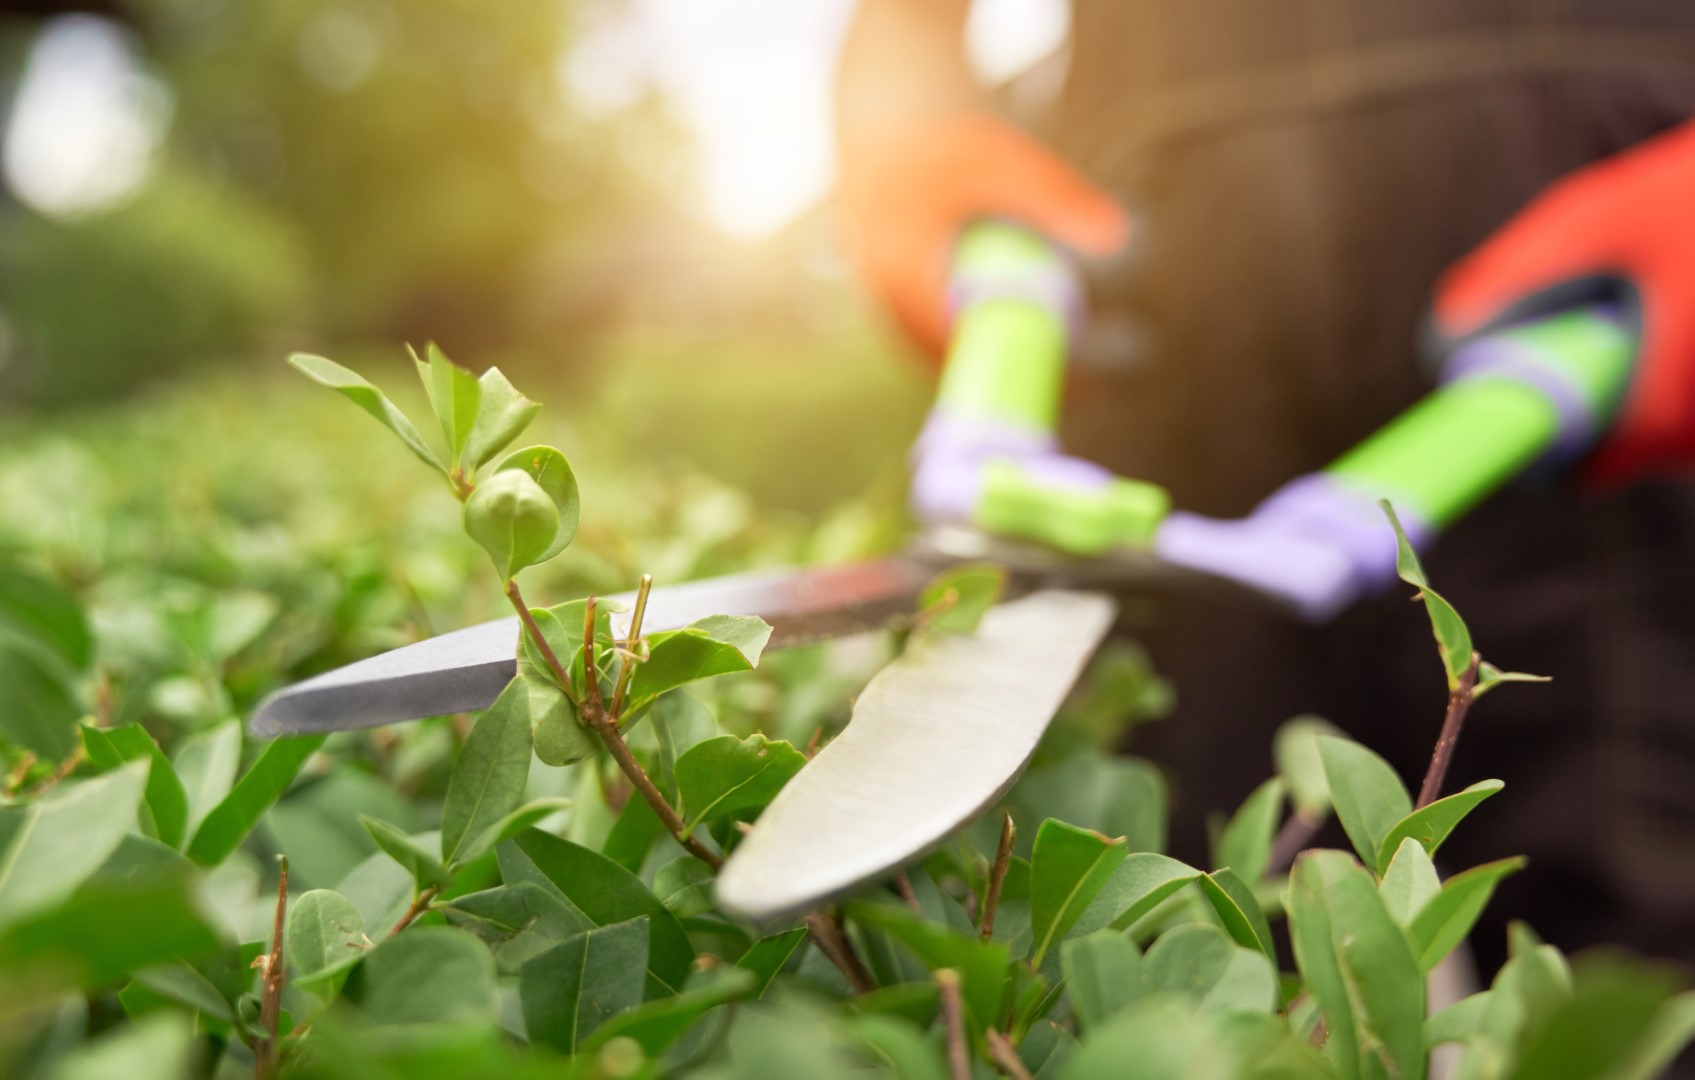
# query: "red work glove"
{"type": "Point", "coordinates": [908, 191]}
{"type": "Point", "coordinates": [1627, 221]}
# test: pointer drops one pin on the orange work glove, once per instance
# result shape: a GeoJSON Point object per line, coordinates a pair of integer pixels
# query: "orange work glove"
{"type": "Point", "coordinates": [907, 191]}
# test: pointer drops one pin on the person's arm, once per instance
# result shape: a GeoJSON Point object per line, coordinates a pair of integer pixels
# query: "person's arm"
{"type": "Point", "coordinates": [903, 59]}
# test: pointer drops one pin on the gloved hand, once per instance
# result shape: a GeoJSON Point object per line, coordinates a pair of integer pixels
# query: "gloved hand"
{"type": "Point", "coordinates": [1627, 221]}
{"type": "Point", "coordinates": [909, 191]}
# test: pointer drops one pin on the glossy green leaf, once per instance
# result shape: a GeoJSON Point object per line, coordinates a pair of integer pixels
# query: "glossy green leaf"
{"type": "Point", "coordinates": [728, 777]}
{"type": "Point", "coordinates": [1068, 868]}
{"type": "Point", "coordinates": [428, 975]}
{"type": "Point", "coordinates": [1368, 796]}
{"type": "Point", "coordinates": [633, 835]}
{"type": "Point", "coordinates": [207, 762]}
{"type": "Point", "coordinates": [502, 415]}
{"type": "Point", "coordinates": [488, 779]}
{"type": "Point", "coordinates": [1410, 881]}
{"type": "Point", "coordinates": [1202, 963]}
{"type": "Point", "coordinates": [418, 860]}
{"type": "Point", "coordinates": [1103, 975]}
{"type": "Point", "coordinates": [454, 395]}
{"type": "Point", "coordinates": [766, 957]}
{"type": "Point", "coordinates": [167, 802]}
{"type": "Point", "coordinates": [982, 965]}
{"type": "Point", "coordinates": [1241, 915]}
{"type": "Point", "coordinates": [513, 520]}
{"type": "Point", "coordinates": [368, 397]}
{"type": "Point", "coordinates": [1445, 919]}
{"type": "Point", "coordinates": [956, 600]}
{"type": "Point", "coordinates": [49, 847]}
{"type": "Point", "coordinates": [1245, 844]}
{"type": "Point", "coordinates": [684, 886]}
{"type": "Point", "coordinates": [1357, 964]}
{"type": "Point", "coordinates": [552, 473]}
{"type": "Point", "coordinates": [558, 733]}
{"type": "Point", "coordinates": [1431, 824]}
{"type": "Point", "coordinates": [1143, 882]}
{"type": "Point", "coordinates": [184, 983]}
{"type": "Point", "coordinates": [715, 645]}
{"type": "Point", "coordinates": [1453, 640]}
{"type": "Point", "coordinates": [325, 936]}
{"type": "Point", "coordinates": [517, 922]}
{"type": "Point", "coordinates": [574, 987]}
{"type": "Point", "coordinates": [655, 1025]}
{"type": "Point", "coordinates": [527, 816]}
{"type": "Point", "coordinates": [604, 893]}
{"type": "Point", "coordinates": [228, 823]}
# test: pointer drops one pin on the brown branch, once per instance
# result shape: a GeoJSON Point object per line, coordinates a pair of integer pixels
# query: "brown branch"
{"type": "Point", "coordinates": [272, 976]}
{"type": "Point", "coordinates": [953, 1015]}
{"type": "Point", "coordinates": [997, 878]}
{"type": "Point", "coordinates": [827, 934]}
{"type": "Point", "coordinates": [1005, 1055]}
{"type": "Point", "coordinates": [1292, 839]}
{"type": "Point", "coordinates": [539, 639]}
{"type": "Point", "coordinates": [627, 669]}
{"type": "Point", "coordinates": [903, 885]}
{"type": "Point", "coordinates": [420, 904]}
{"type": "Point", "coordinates": [1459, 701]}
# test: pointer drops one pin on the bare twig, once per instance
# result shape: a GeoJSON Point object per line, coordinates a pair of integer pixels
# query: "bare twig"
{"type": "Point", "coordinates": [1292, 839]}
{"type": "Point", "coordinates": [66, 767]}
{"type": "Point", "coordinates": [539, 639]}
{"type": "Point", "coordinates": [811, 750]}
{"type": "Point", "coordinates": [272, 975]}
{"type": "Point", "coordinates": [1459, 701]}
{"type": "Point", "coordinates": [953, 1015]}
{"type": "Point", "coordinates": [420, 904]}
{"type": "Point", "coordinates": [1006, 1055]}
{"type": "Point", "coordinates": [997, 878]}
{"type": "Point", "coordinates": [903, 885]}
{"type": "Point", "coordinates": [628, 668]}
{"type": "Point", "coordinates": [827, 934]}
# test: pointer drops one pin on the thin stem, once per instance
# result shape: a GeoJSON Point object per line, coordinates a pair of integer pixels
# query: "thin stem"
{"type": "Point", "coordinates": [827, 934]}
{"type": "Point", "coordinates": [1005, 1055]}
{"type": "Point", "coordinates": [1292, 839]}
{"type": "Point", "coordinates": [65, 768]}
{"type": "Point", "coordinates": [420, 904]}
{"type": "Point", "coordinates": [539, 640]}
{"type": "Point", "coordinates": [903, 885]}
{"type": "Point", "coordinates": [628, 667]}
{"type": "Point", "coordinates": [997, 878]}
{"type": "Point", "coordinates": [1459, 701]}
{"type": "Point", "coordinates": [273, 974]}
{"type": "Point", "coordinates": [953, 1015]}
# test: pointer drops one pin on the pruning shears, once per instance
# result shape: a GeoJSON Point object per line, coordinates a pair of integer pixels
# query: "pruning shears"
{"type": "Point", "coordinates": [944, 731]}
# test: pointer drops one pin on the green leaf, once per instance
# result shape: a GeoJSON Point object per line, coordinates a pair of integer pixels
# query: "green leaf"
{"type": "Point", "coordinates": [604, 893]}
{"type": "Point", "coordinates": [558, 732]}
{"type": "Point", "coordinates": [1448, 917]}
{"type": "Point", "coordinates": [562, 627]}
{"type": "Point", "coordinates": [1610, 1016]}
{"type": "Point", "coordinates": [907, 1053]}
{"type": "Point", "coordinates": [1667, 1036]}
{"type": "Point", "coordinates": [574, 987]}
{"type": "Point", "coordinates": [454, 396]}
{"type": "Point", "coordinates": [1453, 640]}
{"type": "Point", "coordinates": [1142, 883]}
{"type": "Point", "coordinates": [527, 816]}
{"type": "Point", "coordinates": [428, 975]}
{"type": "Point", "coordinates": [363, 394]}
{"type": "Point", "coordinates": [324, 937]}
{"type": "Point", "coordinates": [552, 473]}
{"type": "Point", "coordinates": [982, 965]}
{"type": "Point", "coordinates": [207, 763]}
{"type": "Point", "coordinates": [766, 957]}
{"type": "Point", "coordinates": [1458, 1022]}
{"type": "Point", "coordinates": [715, 645]}
{"type": "Point", "coordinates": [1115, 796]}
{"type": "Point", "coordinates": [1103, 975]}
{"type": "Point", "coordinates": [1410, 881]}
{"type": "Point", "coordinates": [182, 982]}
{"type": "Point", "coordinates": [42, 705]}
{"type": "Point", "coordinates": [1529, 988]}
{"type": "Point", "coordinates": [1295, 749]}
{"type": "Point", "coordinates": [633, 835]}
{"type": "Point", "coordinates": [42, 611]}
{"type": "Point", "coordinates": [956, 600]}
{"type": "Point", "coordinates": [502, 416]}
{"type": "Point", "coordinates": [655, 1025]}
{"type": "Point", "coordinates": [1243, 918]}
{"type": "Point", "coordinates": [1432, 824]}
{"type": "Point", "coordinates": [49, 847]}
{"type": "Point", "coordinates": [167, 802]}
{"type": "Point", "coordinates": [1245, 844]}
{"type": "Point", "coordinates": [1357, 965]}
{"type": "Point", "coordinates": [426, 869]}
{"type": "Point", "coordinates": [513, 520]}
{"type": "Point", "coordinates": [1068, 867]}
{"type": "Point", "coordinates": [228, 823]}
{"type": "Point", "coordinates": [1489, 676]}
{"type": "Point", "coordinates": [1199, 962]}
{"type": "Point", "coordinates": [727, 777]}
{"type": "Point", "coordinates": [1367, 794]}
{"type": "Point", "coordinates": [684, 886]}
{"type": "Point", "coordinates": [156, 1047]}
{"type": "Point", "coordinates": [489, 777]}
{"type": "Point", "coordinates": [517, 922]}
